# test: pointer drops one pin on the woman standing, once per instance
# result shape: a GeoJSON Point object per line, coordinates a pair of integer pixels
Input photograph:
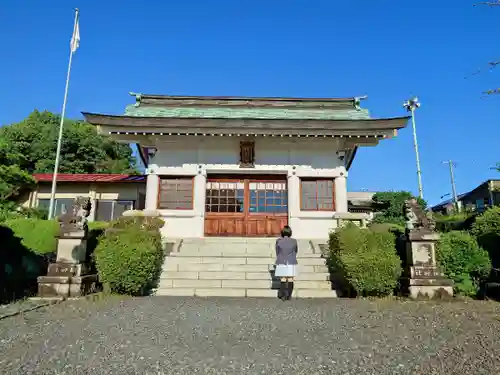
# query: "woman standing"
{"type": "Point", "coordinates": [286, 262]}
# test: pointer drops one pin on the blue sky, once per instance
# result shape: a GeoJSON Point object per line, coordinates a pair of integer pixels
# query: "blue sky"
{"type": "Point", "coordinates": [389, 50]}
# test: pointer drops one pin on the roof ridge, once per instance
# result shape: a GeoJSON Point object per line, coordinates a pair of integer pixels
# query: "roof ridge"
{"type": "Point", "coordinates": [140, 96]}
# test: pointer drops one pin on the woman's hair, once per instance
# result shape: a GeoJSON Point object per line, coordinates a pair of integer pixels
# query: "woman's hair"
{"type": "Point", "coordinates": [286, 231]}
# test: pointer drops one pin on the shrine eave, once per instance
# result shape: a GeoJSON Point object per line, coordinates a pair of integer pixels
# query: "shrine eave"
{"type": "Point", "coordinates": [244, 126]}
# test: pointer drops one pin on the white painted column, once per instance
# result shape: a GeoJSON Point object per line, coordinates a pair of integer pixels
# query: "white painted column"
{"type": "Point", "coordinates": [200, 184]}
{"type": "Point", "coordinates": [341, 193]}
{"type": "Point", "coordinates": [152, 186]}
{"type": "Point", "coordinates": [93, 201]}
{"type": "Point", "coordinates": [294, 202]}
{"type": "Point", "coordinates": [293, 196]}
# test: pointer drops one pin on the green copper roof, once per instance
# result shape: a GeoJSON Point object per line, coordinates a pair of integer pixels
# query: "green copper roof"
{"type": "Point", "coordinates": [247, 113]}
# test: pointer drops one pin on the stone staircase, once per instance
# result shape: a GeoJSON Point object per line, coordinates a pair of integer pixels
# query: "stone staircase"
{"type": "Point", "coordinates": [239, 267]}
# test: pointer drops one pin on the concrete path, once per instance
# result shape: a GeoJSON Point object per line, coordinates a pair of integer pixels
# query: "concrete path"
{"type": "Point", "coordinates": [171, 335]}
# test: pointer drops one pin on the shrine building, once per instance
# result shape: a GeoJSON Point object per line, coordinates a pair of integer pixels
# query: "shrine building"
{"type": "Point", "coordinates": [244, 167]}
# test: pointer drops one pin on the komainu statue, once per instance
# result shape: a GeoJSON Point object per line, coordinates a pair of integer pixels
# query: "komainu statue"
{"type": "Point", "coordinates": [417, 220]}
{"type": "Point", "coordinates": [75, 219]}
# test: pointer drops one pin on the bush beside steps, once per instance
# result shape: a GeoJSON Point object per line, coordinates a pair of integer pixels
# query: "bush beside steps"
{"type": "Point", "coordinates": [129, 255]}
{"type": "Point", "coordinates": [365, 262]}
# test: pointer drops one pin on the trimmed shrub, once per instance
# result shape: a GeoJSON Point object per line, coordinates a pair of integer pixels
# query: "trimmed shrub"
{"type": "Point", "coordinates": [463, 261]}
{"type": "Point", "coordinates": [399, 238]}
{"type": "Point", "coordinates": [129, 260]}
{"type": "Point", "coordinates": [26, 247]}
{"type": "Point", "coordinates": [487, 231]}
{"type": "Point", "coordinates": [365, 260]}
{"type": "Point", "coordinates": [138, 222]}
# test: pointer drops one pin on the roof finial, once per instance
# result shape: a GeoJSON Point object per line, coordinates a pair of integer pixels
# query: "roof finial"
{"type": "Point", "coordinates": [358, 99]}
{"type": "Point", "coordinates": [137, 98]}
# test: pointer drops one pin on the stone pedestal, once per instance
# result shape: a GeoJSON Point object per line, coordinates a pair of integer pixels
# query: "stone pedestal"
{"type": "Point", "coordinates": [69, 276]}
{"type": "Point", "coordinates": [422, 276]}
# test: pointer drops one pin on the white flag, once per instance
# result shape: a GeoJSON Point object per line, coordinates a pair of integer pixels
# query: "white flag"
{"type": "Point", "coordinates": [75, 39]}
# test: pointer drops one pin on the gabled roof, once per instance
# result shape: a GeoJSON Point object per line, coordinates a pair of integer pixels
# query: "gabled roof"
{"type": "Point", "coordinates": [249, 116]}
{"type": "Point", "coordinates": [80, 177]}
{"type": "Point", "coordinates": [166, 115]}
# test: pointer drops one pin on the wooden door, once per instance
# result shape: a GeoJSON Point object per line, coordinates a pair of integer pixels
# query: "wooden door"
{"type": "Point", "coordinates": [250, 206]}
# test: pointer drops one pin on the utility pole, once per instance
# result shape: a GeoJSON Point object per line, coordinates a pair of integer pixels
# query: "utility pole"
{"type": "Point", "coordinates": [411, 105]}
{"type": "Point", "coordinates": [451, 164]}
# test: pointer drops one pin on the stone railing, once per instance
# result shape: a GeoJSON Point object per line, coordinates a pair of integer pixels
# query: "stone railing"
{"type": "Point", "coordinates": [357, 218]}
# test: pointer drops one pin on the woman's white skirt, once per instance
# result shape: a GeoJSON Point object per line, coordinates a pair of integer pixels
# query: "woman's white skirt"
{"type": "Point", "coordinates": [285, 270]}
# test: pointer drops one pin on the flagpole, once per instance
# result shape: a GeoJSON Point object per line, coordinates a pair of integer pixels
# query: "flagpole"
{"type": "Point", "coordinates": [61, 125]}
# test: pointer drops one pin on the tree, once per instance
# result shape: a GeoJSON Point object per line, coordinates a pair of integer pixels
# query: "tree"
{"type": "Point", "coordinates": [12, 178]}
{"type": "Point", "coordinates": [389, 206]}
{"type": "Point", "coordinates": [12, 181]}
{"type": "Point", "coordinates": [31, 145]}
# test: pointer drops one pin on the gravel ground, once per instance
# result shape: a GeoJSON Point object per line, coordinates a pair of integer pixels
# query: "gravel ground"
{"type": "Point", "coordinates": [20, 306]}
{"type": "Point", "coordinates": [166, 335]}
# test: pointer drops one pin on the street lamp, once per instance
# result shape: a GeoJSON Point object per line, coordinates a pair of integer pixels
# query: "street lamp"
{"type": "Point", "coordinates": [411, 105]}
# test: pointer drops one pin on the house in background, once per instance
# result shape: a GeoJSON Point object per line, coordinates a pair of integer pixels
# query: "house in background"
{"type": "Point", "coordinates": [485, 195]}
{"type": "Point", "coordinates": [111, 194]}
{"type": "Point", "coordinates": [360, 202]}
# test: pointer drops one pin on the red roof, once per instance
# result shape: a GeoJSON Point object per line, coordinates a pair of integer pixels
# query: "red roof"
{"type": "Point", "coordinates": [80, 177]}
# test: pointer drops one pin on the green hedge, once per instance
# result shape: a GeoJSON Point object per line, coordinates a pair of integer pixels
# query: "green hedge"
{"type": "Point", "coordinates": [129, 257]}
{"type": "Point", "coordinates": [365, 260]}
{"type": "Point", "coordinates": [39, 236]}
{"type": "Point", "coordinates": [486, 228]}
{"type": "Point", "coordinates": [455, 222]}
{"type": "Point", "coordinates": [463, 261]}
{"type": "Point", "coordinates": [26, 247]}
{"type": "Point", "coordinates": [387, 227]}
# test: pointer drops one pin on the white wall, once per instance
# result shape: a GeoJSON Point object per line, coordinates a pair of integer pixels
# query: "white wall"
{"type": "Point", "coordinates": [270, 152]}
{"type": "Point", "coordinates": [199, 156]}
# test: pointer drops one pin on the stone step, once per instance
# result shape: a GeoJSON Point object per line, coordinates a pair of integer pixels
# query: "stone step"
{"type": "Point", "coordinates": [179, 259]}
{"type": "Point", "coordinates": [201, 267]}
{"type": "Point", "coordinates": [225, 275]}
{"type": "Point", "coordinates": [228, 245]}
{"type": "Point", "coordinates": [239, 240]}
{"type": "Point", "coordinates": [219, 292]}
{"type": "Point", "coordinates": [238, 284]}
{"type": "Point", "coordinates": [232, 254]}
{"type": "Point", "coordinates": [238, 250]}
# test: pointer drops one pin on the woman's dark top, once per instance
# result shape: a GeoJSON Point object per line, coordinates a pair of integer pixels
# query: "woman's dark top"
{"type": "Point", "coordinates": [286, 250]}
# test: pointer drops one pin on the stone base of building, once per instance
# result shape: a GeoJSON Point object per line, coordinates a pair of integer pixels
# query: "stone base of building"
{"type": "Point", "coordinates": [67, 280]}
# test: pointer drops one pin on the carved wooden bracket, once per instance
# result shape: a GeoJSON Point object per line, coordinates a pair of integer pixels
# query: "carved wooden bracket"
{"type": "Point", "coordinates": [247, 154]}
